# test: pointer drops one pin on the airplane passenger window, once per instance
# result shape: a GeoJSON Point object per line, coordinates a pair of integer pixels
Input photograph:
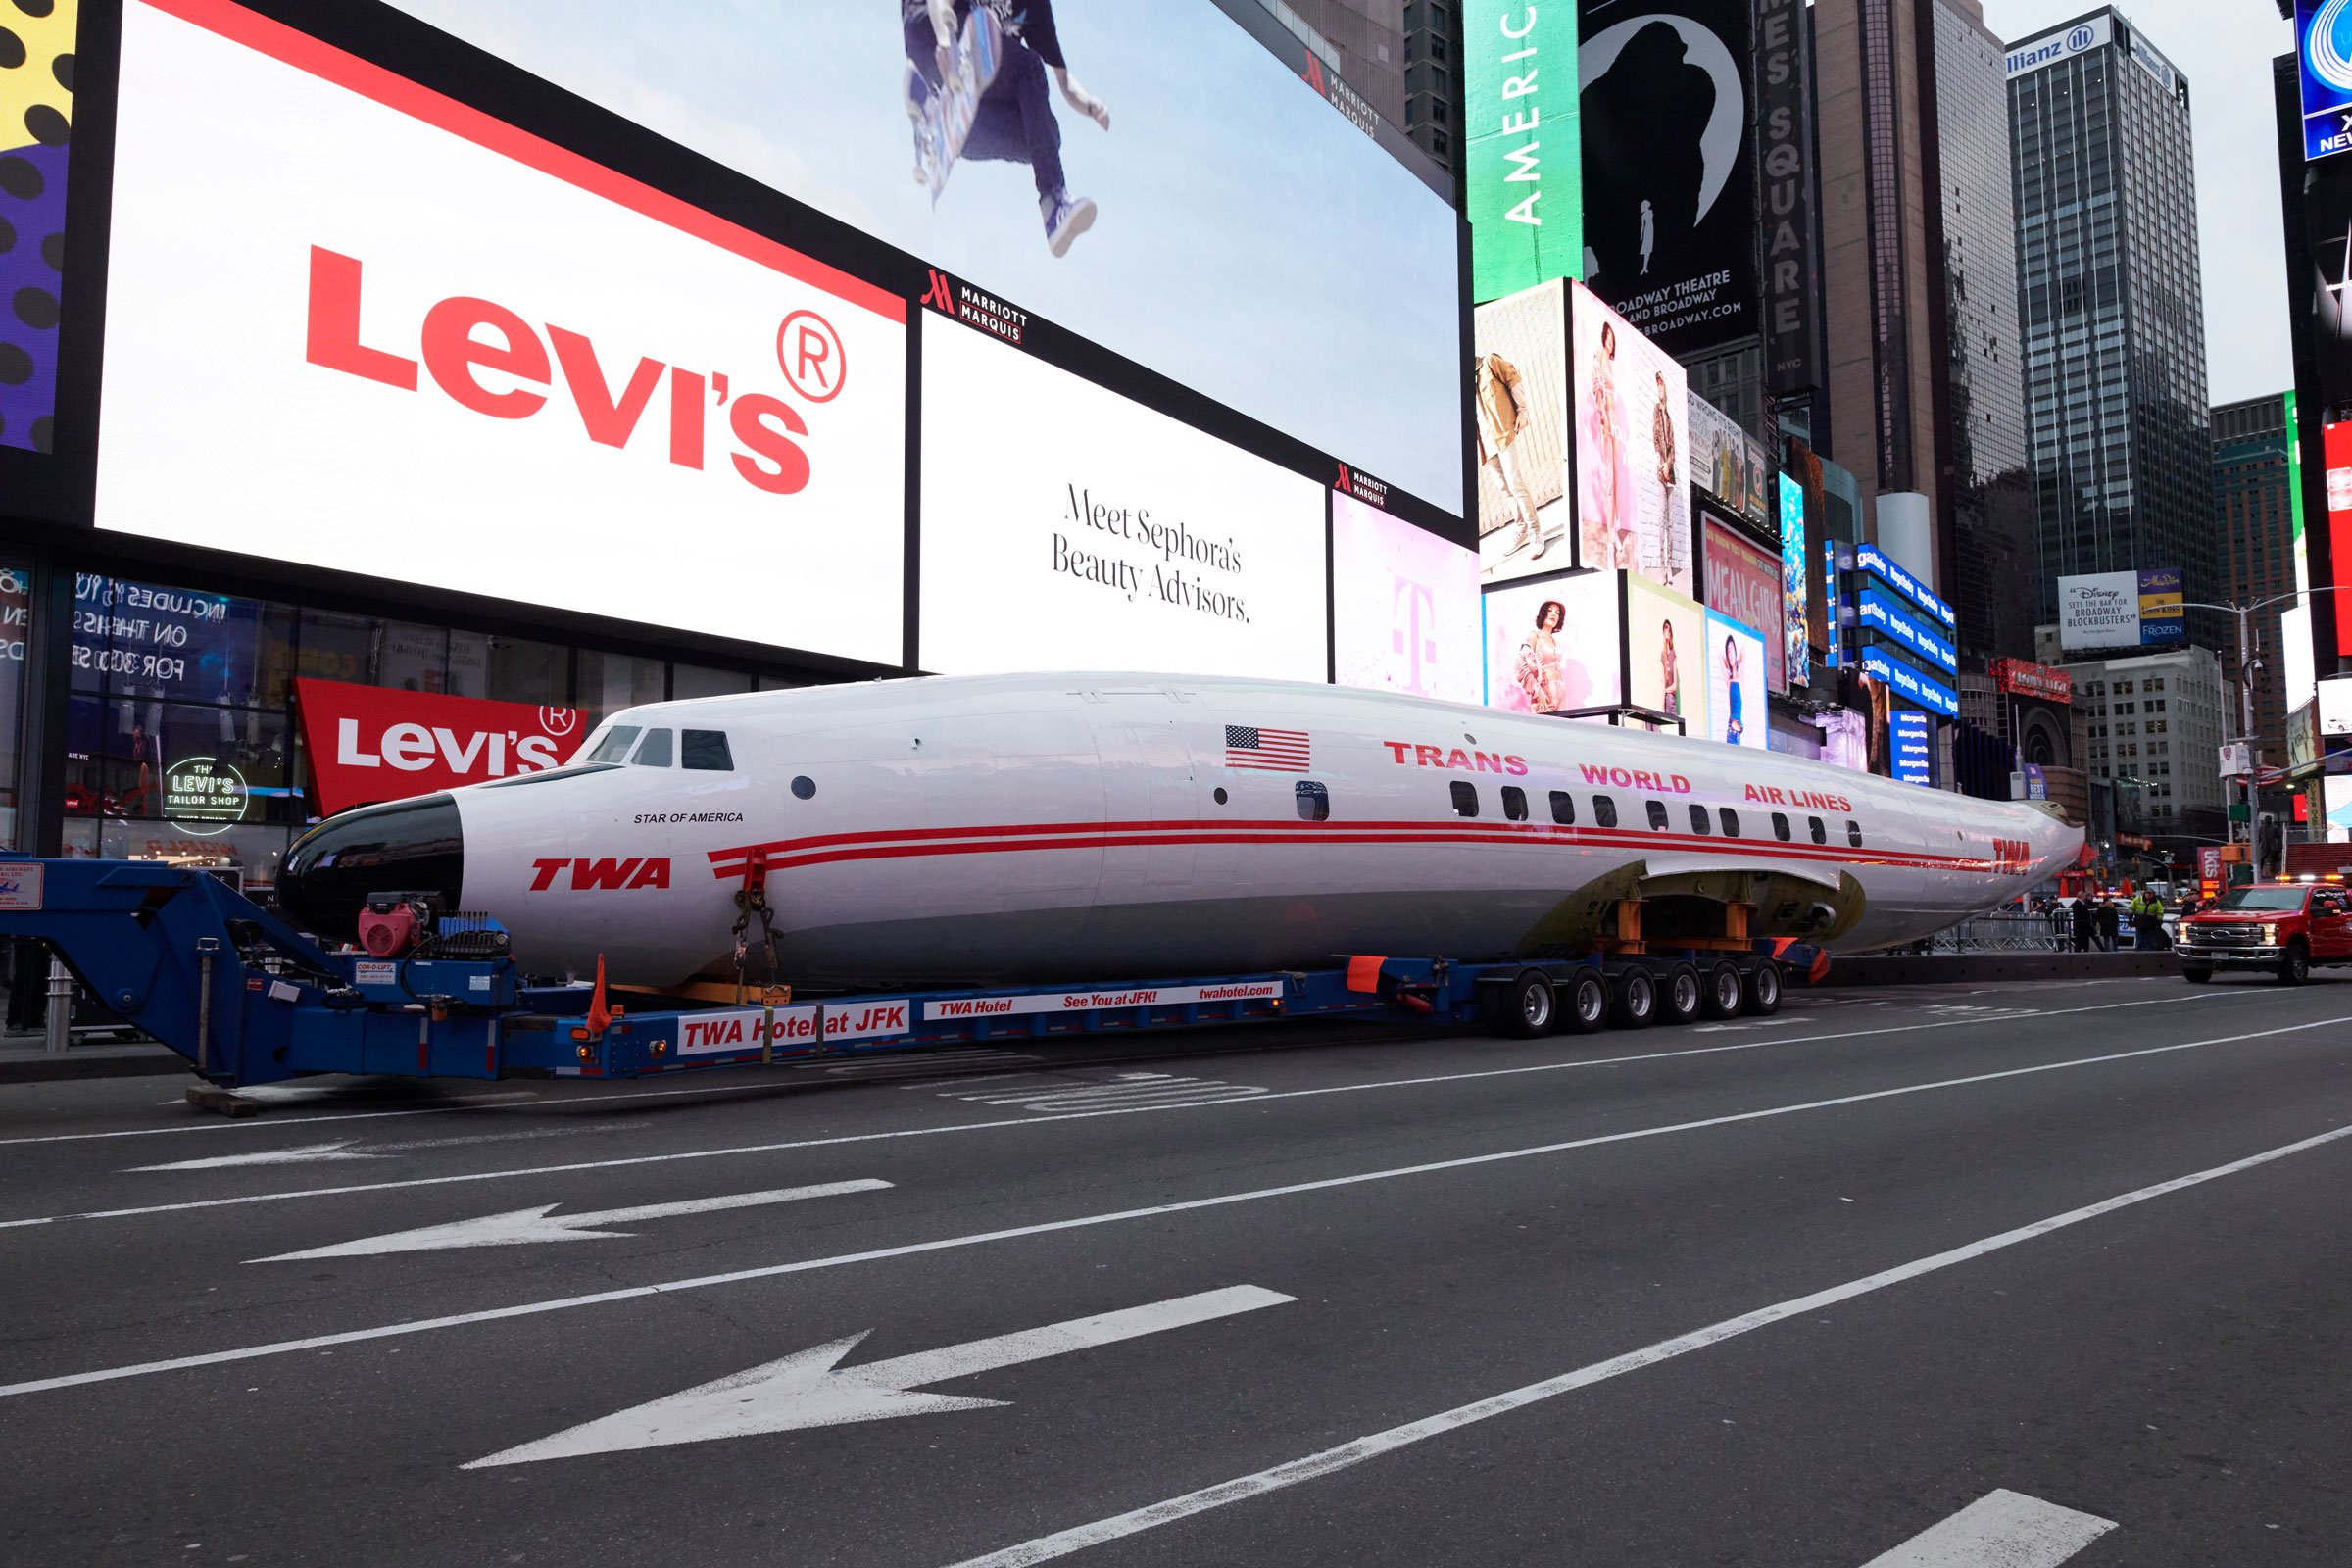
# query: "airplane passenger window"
{"type": "Point", "coordinates": [1699, 819]}
{"type": "Point", "coordinates": [1853, 832]}
{"type": "Point", "coordinates": [1465, 798]}
{"type": "Point", "coordinates": [654, 749]}
{"type": "Point", "coordinates": [1563, 808]}
{"type": "Point", "coordinates": [1604, 810]}
{"type": "Point", "coordinates": [1657, 816]}
{"type": "Point", "coordinates": [706, 750]}
{"type": "Point", "coordinates": [1730, 823]}
{"type": "Point", "coordinates": [1514, 802]}
{"type": "Point", "coordinates": [1820, 831]}
{"type": "Point", "coordinates": [1780, 827]}
{"type": "Point", "coordinates": [1314, 800]}
{"type": "Point", "coordinates": [614, 746]}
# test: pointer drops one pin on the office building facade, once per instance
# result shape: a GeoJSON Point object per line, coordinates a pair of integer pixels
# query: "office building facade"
{"type": "Point", "coordinates": [2254, 536]}
{"type": "Point", "coordinates": [2119, 432]}
{"type": "Point", "coordinates": [2153, 726]}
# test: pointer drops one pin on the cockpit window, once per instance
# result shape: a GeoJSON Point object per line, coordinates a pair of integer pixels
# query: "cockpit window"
{"type": "Point", "coordinates": [654, 749]}
{"type": "Point", "coordinates": [614, 746]}
{"type": "Point", "coordinates": [706, 750]}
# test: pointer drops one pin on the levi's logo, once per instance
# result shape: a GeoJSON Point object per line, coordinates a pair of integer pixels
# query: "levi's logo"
{"type": "Point", "coordinates": [606, 875]}
{"type": "Point", "coordinates": [415, 747]}
{"type": "Point", "coordinates": [462, 337]}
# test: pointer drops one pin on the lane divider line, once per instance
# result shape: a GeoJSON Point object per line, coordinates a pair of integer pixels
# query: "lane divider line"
{"type": "Point", "coordinates": [947, 1244]}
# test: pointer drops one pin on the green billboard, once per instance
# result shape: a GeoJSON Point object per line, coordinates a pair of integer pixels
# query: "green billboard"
{"type": "Point", "coordinates": [1522, 157]}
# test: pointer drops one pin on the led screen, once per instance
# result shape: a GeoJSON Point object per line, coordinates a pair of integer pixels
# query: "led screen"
{"type": "Point", "coordinates": [1743, 580]}
{"type": "Point", "coordinates": [1405, 607]}
{"type": "Point", "coordinates": [1519, 409]}
{"type": "Point", "coordinates": [1666, 654]}
{"type": "Point", "coordinates": [1236, 232]}
{"type": "Point", "coordinates": [409, 341]}
{"type": "Point", "coordinates": [1735, 683]}
{"type": "Point", "coordinates": [1522, 122]}
{"type": "Point", "coordinates": [1796, 622]}
{"type": "Point", "coordinates": [1632, 455]}
{"type": "Point", "coordinates": [1552, 646]}
{"type": "Point", "coordinates": [1068, 527]}
{"type": "Point", "coordinates": [37, 117]}
{"type": "Point", "coordinates": [1911, 739]}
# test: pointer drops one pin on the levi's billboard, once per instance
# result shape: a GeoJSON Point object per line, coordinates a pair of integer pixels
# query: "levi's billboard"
{"type": "Point", "coordinates": [371, 742]}
{"type": "Point", "coordinates": [405, 339]}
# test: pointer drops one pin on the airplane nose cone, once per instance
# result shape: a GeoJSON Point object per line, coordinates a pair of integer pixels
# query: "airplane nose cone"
{"type": "Point", "coordinates": [400, 847]}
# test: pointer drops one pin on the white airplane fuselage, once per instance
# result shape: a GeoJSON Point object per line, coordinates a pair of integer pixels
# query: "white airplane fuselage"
{"type": "Point", "coordinates": [1076, 826]}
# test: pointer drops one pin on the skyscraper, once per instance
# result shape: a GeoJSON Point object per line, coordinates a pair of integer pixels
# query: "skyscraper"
{"type": "Point", "coordinates": [2254, 529]}
{"type": "Point", "coordinates": [1924, 365]}
{"type": "Point", "coordinates": [2119, 432]}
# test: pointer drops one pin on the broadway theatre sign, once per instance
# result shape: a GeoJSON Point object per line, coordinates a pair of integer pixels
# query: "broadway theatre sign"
{"type": "Point", "coordinates": [368, 743]}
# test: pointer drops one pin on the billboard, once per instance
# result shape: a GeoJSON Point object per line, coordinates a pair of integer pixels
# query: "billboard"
{"type": "Point", "coordinates": [1793, 355]}
{"type": "Point", "coordinates": [1148, 176]}
{"type": "Point", "coordinates": [1670, 204]}
{"type": "Point", "coordinates": [2021, 679]}
{"type": "Point", "coordinates": [2323, 60]}
{"type": "Point", "coordinates": [1632, 474]}
{"type": "Point", "coordinates": [1403, 606]}
{"type": "Point", "coordinates": [1907, 681]}
{"type": "Point", "coordinates": [1552, 645]}
{"type": "Point", "coordinates": [1887, 615]}
{"type": "Point", "coordinates": [2121, 609]}
{"type": "Point", "coordinates": [445, 365]}
{"type": "Point", "coordinates": [1911, 745]}
{"type": "Point", "coordinates": [1719, 455]}
{"type": "Point", "coordinates": [1519, 398]}
{"type": "Point", "coordinates": [1666, 654]}
{"type": "Point", "coordinates": [1844, 737]}
{"type": "Point", "coordinates": [1061, 520]}
{"type": "Point", "coordinates": [36, 127]}
{"type": "Point", "coordinates": [371, 742]}
{"type": "Point", "coordinates": [2335, 442]}
{"type": "Point", "coordinates": [1795, 626]}
{"type": "Point", "coordinates": [1520, 158]}
{"type": "Point", "coordinates": [1735, 701]}
{"type": "Point", "coordinates": [1741, 580]}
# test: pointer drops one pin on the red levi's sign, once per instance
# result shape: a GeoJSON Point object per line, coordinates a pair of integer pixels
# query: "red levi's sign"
{"type": "Point", "coordinates": [369, 743]}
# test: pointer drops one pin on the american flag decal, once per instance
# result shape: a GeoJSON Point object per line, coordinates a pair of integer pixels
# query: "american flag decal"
{"type": "Point", "coordinates": [1274, 751]}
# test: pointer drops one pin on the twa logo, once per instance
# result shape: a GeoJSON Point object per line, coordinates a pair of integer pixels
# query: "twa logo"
{"type": "Point", "coordinates": [940, 296]}
{"type": "Point", "coordinates": [2012, 855]}
{"type": "Point", "coordinates": [606, 875]}
{"type": "Point", "coordinates": [462, 337]}
{"type": "Point", "coordinates": [415, 748]}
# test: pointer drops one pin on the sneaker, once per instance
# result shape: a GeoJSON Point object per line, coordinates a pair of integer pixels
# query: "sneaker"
{"type": "Point", "coordinates": [917, 93]}
{"type": "Point", "coordinates": [1065, 221]}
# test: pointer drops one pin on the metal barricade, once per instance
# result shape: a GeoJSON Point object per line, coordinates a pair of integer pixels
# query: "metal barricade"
{"type": "Point", "coordinates": [2002, 931]}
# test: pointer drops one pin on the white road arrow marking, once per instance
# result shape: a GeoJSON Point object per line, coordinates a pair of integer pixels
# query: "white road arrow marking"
{"type": "Point", "coordinates": [523, 1225]}
{"type": "Point", "coordinates": [804, 1390]}
{"type": "Point", "coordinates": [306, 1155]}
{"type": "Point", "coordinates": [2004, 1527]}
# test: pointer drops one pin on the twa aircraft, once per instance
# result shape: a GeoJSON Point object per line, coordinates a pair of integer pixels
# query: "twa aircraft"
{"type": "Point", "coordinates": [1084, 826]}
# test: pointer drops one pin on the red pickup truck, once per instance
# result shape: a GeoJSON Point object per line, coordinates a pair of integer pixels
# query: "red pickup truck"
{"type": "Point", "coordinates": [2286, 927]}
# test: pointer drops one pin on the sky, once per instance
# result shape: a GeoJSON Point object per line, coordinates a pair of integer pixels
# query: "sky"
{"type": "Point", "coordinates": [2225, 47]}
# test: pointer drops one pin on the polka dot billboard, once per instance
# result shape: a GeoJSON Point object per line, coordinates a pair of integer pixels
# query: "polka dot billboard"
{"type": "Point", "coordinates": [37, 117]}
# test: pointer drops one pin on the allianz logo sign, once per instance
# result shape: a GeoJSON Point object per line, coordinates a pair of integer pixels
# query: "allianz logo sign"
{"type": "Point", "coordinates": [2043, 51]}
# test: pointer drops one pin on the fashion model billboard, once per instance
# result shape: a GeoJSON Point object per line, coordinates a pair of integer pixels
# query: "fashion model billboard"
{"type": "Point", "coordinates": [422, 345]}
{"type": "Point", "coordinates": [1632, 453]}
{"type": "Point", "coordinates": [1666, 654]}
{"type": "Point", "coordinates": [1405, 607]}
{"type": "Point", "coordinates": [1065, 526]}
{"type": "Point", "coordinates": [1147, 176]}
{"type": "Point", "coordinates": [1520, 393]}
{"type": "Point", "coordinates": [1743, 581]}
{"type": "Point", "coordinates": [36, 121]}
{"type": "Point", "coordinates": [1669, 166]}
{"type": "Point", "coordinates": [1521, 124]}
{"type": "Point", "coordinates": [1719, 455]}
{"type": "Point", "coordinates": [1553, 645]}
{"type": "Point", "coordinates": [1734, 698]}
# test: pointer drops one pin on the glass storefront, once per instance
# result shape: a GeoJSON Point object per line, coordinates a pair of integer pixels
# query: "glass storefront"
{"type": "Point", "coordinates": [182, 738]}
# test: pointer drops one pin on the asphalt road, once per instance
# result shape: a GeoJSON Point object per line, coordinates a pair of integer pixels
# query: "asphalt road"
{"type": "Point", "coordinates": [1787, 1292]}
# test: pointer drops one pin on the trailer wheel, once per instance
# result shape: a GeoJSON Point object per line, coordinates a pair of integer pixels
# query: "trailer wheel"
{"type": "Point", "coordinates": [1764, 989]}
{"type": "Point", "coordinates": [1585, 1002]}
{"type": "Point", "coordinates": [1680, 995]}
{"type": "Point", "coordinates": [1636, 998]}
{"type": "Point", "coordinates": [1530, 1007]}
{"type": "Point", "coordinates": [1727, 991]}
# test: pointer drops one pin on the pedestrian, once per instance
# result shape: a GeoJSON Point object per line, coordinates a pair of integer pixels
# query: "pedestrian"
{"type": "Point", "coordinates": [2111, 923]}
{"type": "Point", "coordinates": [2147, 923]}
{"type": "Point", "coordinates": [2084, 922]}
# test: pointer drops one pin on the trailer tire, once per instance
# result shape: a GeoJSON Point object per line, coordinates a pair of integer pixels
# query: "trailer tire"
{"type": "Point", "coordinates": [1680, 993]}
{"type": "Point", "coordinates": [1764, 989]}
{"type": "Point", "coordinates": [1585, 1002]}
{"type": "Point", "coordinates": [1727, 991]}
{"type": "Point", "coordinates": [1634, 999]}
{"type": "Point", "coordinates": [1531, 1008]}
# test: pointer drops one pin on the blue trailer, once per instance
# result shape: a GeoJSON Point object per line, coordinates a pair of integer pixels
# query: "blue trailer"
{"type": "Point", "coordinates": [249, 999]}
